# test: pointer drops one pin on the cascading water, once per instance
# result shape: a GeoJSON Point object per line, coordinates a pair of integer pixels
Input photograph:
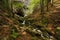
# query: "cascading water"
{"type": "Point", "coordinates": [30, 5]}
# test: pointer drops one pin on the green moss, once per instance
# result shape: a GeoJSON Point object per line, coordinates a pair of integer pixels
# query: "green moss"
{"type": "Point", "coordinates": [17, 4]}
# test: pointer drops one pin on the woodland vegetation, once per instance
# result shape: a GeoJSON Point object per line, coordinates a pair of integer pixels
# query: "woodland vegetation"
{"type": "Point", "coordinates": [29, 19]}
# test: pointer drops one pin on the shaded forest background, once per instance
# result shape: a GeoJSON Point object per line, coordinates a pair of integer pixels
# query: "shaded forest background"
{"type": "Point", "coordinates": [29, 19]}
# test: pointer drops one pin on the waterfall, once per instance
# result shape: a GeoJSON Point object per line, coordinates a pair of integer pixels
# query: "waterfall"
{"type": "Point", "coordinates": [26, 3]}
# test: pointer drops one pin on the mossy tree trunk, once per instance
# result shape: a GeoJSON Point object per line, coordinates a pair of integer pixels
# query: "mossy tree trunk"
{"type": "Point", "coordinates": [7, 5]}
{"type": "Point", "coordinates": [52, 2]}
{"type": "Point", "coordinates": [42, 6]}
{"type": "Point", "coordinates": [47, 4]}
